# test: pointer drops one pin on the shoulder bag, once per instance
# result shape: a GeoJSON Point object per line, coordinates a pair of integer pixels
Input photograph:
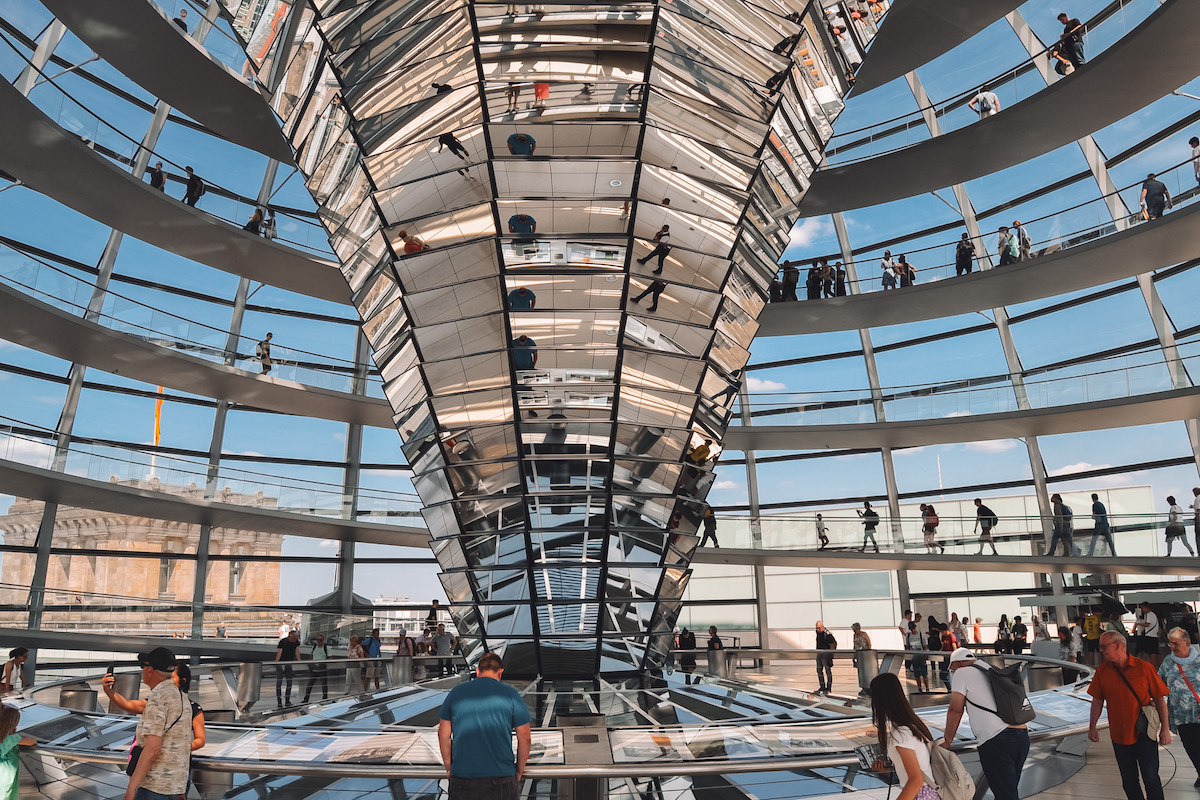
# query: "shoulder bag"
{"type": "Point", "coordinates": [1183, 675]}
{"type": "Point", "coordinates": [135, 752]}
{"type": "Point", "coordinates": [1148, 722]}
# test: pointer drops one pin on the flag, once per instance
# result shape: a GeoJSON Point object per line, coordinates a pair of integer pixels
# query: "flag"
{"type": "Point", "coordinates": [158, 416]}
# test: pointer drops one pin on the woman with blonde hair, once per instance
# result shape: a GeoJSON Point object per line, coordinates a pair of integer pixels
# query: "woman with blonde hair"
{"type": "Point", "coordinates": [354, 677]}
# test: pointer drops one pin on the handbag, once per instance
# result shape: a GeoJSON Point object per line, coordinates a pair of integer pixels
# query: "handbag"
{"type": "Point", "coordinates": [1148, 722]}
{"type": "Point", "coordinates": [135, 752]}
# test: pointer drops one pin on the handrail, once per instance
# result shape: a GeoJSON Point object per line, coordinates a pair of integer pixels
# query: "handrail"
{"type": "Point", "coordinates": [345, 368]}
{"type": "Point", "coordinates": [1035, 245]}
{"type": "Point", "coordinates": [943, 107]}
{"type": "Point", "coordinates": [138, 146]}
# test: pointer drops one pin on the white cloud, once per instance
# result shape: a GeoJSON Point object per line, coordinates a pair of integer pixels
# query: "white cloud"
{"type": "Point", "coordinates": [27, 451]}
{"type": "Point", "coordinates": [726, 485]}
{"type": "Point", "coordinates": [328, 543]}
{"type": "Point", "coordinates": [760, 385]}
{"type": "Point", "coordinates": [809, 231]}
{"type": "Point", "coordinates": [1081, 466]}
{"type": "Point", "coordinates": [993, 446]}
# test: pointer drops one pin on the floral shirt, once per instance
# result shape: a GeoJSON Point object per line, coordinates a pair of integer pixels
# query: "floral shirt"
{"type": "Point", "coordinates": [1181, 703]}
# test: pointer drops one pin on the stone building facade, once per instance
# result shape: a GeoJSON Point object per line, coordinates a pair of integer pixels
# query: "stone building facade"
{"type": "Point", "coordinates": [131, 592]}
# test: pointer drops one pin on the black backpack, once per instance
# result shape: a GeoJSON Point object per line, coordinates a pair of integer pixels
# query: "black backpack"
{"type": "Point", "coordinates": [1012, 703]}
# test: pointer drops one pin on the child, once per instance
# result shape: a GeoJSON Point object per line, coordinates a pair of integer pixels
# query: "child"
{"type": "Point", "coordinates": [10, 718]}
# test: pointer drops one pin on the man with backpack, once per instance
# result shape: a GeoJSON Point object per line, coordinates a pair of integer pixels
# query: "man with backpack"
{"type": "Point", "coordinates": [870, 521]}
{"type": "Point", "coordinates": [1062, 527]}
{"type": "Point", "coordinates": [195, 188]}
{"type": "Point", "coordinates": [987, 519]}
{"type": "Point", "coordinates": [985, 103]}
{"type": "Point", "coordinates": [998, 712]}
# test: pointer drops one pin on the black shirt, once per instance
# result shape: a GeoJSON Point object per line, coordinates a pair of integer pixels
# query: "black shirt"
{"type": "Point", "coordinates": [182, 25]}
{"type": "Point", "coordinates": [870, 519]}
{"type": "Point", "coordinates": [252, 226]}
{"type": "Point", "coordinates": [825, 640]}
{"type": "Point", "coordinates": [1156, 191]}
{"type": "Point", "coordinates": [687, 641]}
{"type": "Point", "coordinates": [1019, 631]}
{"type": "Point", "coordinates": [965, 252]}
{"type": "Point", "coordinates": [986, 516]}
{"type": "Point", "coordinates": [1072, 25]}
{"type": "Point", "coordinates": [158, 178]}
{"type": "Point", "coordinates": [290, 649]}
{"type": "Point", "coordinates": [714, 643]}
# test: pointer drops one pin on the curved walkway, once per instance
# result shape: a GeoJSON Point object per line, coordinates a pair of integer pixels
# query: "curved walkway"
{"type": "Point", "coordinates": [56, 332]}
{"type": "Point", "coordinates": [1146, 409]}
{"type": "Point", "coordinates": [137, 38]}
{"type": "Point", "coordinates": [36, 483]}
{"type": "Point", "coordinates": [914, 32]}
{"type": "Point", "coordinates": [1150, 61]}
{"type": "Point", "coordinates": [1131, 565]}
{"type": "Point", "coordinates": [47, 159]}
{"type": "Point", "coordinates": [1142, 248]}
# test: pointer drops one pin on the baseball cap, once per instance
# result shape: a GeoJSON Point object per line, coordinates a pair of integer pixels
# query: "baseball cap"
{"type": "Point", "coordinates": [962, 654]}
{"type": "Point", "coordinates": [160, 658]}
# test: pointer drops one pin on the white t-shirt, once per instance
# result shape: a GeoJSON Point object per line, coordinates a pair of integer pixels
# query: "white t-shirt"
{"type": "Point", "coordinates": [972, 684]}
{"type": "Point", "coordinates": [986, 101]}
{"type": "Point", "coordinates": [903, 736]}
{"type": "Point", "coordinates": [1196, 161]}
{"type": "Point", "coordinates": [1151, 620]}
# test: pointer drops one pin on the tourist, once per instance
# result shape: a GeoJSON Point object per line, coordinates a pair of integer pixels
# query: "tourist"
{"type": "Point", "coordinates": [524, 226]}
{"type": "Point", "coordinates": [825, 641]}
{"type": "Point", "coordinates": [709, 521]}
{"type": "Point", "coordinates": [986, 520]}
{"type": "Point", "coordinates": [1175, 530]}
{"type": "Point", "coordinates": [262, 351]}
{"type": "Point", "coordinates": [475, 733]}
{"type": "Point", "coordinates": [1024, 243]}
{"type": "Point", "coordinates": [181, 20]}
{"type": "Point", "coordinates": [160, 760]}
{"type": "Point", "coordinates": [449, 140]}
{"type": "Point", "coordinates": [412, 244]}
{"type": "Point", "coordinates": [373, 648]}
{"type": "Point", "coordinates": [1100, 527]}
{"type": "Point", "coordinates": [1019, 634]}
{"type": "Point", "coordinates": [10, 754]}
{"type": "Point", "coordinates": [791, 279]}
{"type": "Point", "coordinates": [908, 275]}
{"type": "Point", "coordinates": [1091, 637]}
{"type": "Point", "coordinates": [286, 652]}
{"type": "Point", "coordinates": [1180, 671]}
{"type": "Point", "coordinates": [524, 352]}
{"type": "Point", "coordinates": [14, 668]}
{"type": "Point", "coordinates": [904, 737]}
{"type": "Point", "coordinates": [269, 231]}
{"type": "Point", "coordinates": [889, 270]}
{"type": "Point", "coordinates": [354, 656]}
{"type": "Point", "coordinates": [1072, 39]}
{"type": "Point", "coordinates": [521, 144]}
{"type": "Point", "coordinates": [1195, 506]}
{"type": "Point", "coordinates": [978, 630]}
{"type": "Point", "coordinates": [860, 640]}
{"type": "Point", "coordinates": [919, 666]}
{"type": "Point", "coordinates": [1007, 248]}
{"type": "Point", "coordinates": [714, 641]}
{"type": "Point", "coordinates": [1002, 747]}
{"type": "Point", "coordinates": [319, 655]}
{"type": "Point", "coordinates": [1155, 197]}
{"type": "Point", "coordinates": [444, 642]}
{"type": "Point", "coordinates": [195, 188]}
{"type": "Point", "coordinates": [1003, 635]}
{"type": "Point", "coordinates": [255, 224]}
{"type": "Point", "coordinates": [1065, 653]}
{"type": "Point", "coordinates": [1146, 631]}
{"type": "Point", "coordinates": [929, 524]}
{"type": "Point", "coordinates": [158, 178]}
{"type": "Point", "coordinates": [839, 280]}
{"type": "Point", "coordinates": [655, 290]}
{"type": "Point", "coordinates": [182, 678]}
{"type": "Point", "coordinates": [1125, 684]}
{"type": "Point", "coordinates": [823, 533]}
{"type": "Point", "coordinates": [964, 256]}
{"type": "Point", "coordinates": [521, 299]}
{"type": "Point", "coordinates": [985, 103]}
{"type": "Point", "coordinates": [870, 521]}
{"type": "Point", "coordinates": [1062, 527]}
{"type": "Point", "coordinates": [662, 248]}
{"type": "Point", "coordinates": [687, 660]}
{"type": "Point", "coordinates": [431, 617]}
{"type": "Point", "coordinates": [1195, 144]}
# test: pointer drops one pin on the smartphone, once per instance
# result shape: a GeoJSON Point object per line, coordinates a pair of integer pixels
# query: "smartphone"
{"type": "Point", "coordinates": [110, 669]}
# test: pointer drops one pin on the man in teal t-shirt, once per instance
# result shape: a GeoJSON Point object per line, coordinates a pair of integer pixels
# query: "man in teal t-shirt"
{"type": "Point", "coordinates": [475, 734]}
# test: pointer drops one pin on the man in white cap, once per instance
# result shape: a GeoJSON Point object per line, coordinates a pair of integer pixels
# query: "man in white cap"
{"type": "Point", "coordinates": [1002, 747]}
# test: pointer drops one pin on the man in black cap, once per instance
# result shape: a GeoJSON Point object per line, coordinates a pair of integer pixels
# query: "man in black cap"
{"type": "Point", "coordinates": [164, 733]}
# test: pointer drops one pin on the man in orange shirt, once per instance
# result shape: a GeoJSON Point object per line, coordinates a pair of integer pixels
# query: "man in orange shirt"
{"type": "Point", "coordinates": [1126, 684]}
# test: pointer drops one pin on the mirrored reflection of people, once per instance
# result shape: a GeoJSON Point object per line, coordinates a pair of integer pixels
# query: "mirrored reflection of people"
{"type": "Point", "coordinates": [699, 455]}
{"type": "Point", "coordinates": [655, 289]}
{"type": "Point", "coordinates": [709, 521]}
{"type": "Point", "coordinates": [476, 724]}
{"type": "Point", "coordinates": [158, 178]}
{"type": "Point", "coordinates": [319, 655]}
{"type": "Point", "coordinates": [1155, 197]}
{"type": "Point", "coordinates": [524, 352]}
{"type": "Point", "coordinates": [441, 88]}
{"type": "Point", "coordinates": [687, 661]}
{"type": "Point", "coordinates": [521, 144]}
{"type": "Point", "coordinates": [262, 351]}
{"type": "Point", "coordinates": [512, 93]}
{"type": "Point", "coordinates": [195, 188]}
{"type": "Point", "coordinates": [412, 244]}
{"type": "Point", "coordinates": [449, 140]}
{"type": "Point", "coordinates": [286, 652]}
{"type": "Point", "coordinates": [1125, 683]}
{"type": "Point", "coordinates": [181, 20]}
{"type": "Point", "coordinates": [14, 669]}
{"type": "Point", "coordinates": [985, 103]}
{"type": "Point", "coordinates": [524, 225]}
{"type": "Point", "coordinates": [661, 249]}
{"type": "Point", "coordinates": [521, 299]}
{"type": "Point", "coordinates": [541, 93]}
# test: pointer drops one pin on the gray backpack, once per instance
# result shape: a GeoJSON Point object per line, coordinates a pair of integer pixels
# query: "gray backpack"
{"type": "Point", "coordinates": [953, 782]}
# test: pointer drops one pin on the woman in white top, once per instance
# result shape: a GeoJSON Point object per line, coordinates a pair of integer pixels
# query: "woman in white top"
{"type": "Point", "coordinates": [904, 737]}
{"type": "Point", "coordinates": [889, 270]}
{"type": "Point", "coordinates": [1175, 529]}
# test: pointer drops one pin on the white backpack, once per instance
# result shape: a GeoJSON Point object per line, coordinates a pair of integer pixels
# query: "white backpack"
{"type": "Point", "coordinates": [953, 782]}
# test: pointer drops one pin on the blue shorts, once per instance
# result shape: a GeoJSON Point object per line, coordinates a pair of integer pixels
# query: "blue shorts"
{"type": "Point", "coordinates": [920, 668]}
